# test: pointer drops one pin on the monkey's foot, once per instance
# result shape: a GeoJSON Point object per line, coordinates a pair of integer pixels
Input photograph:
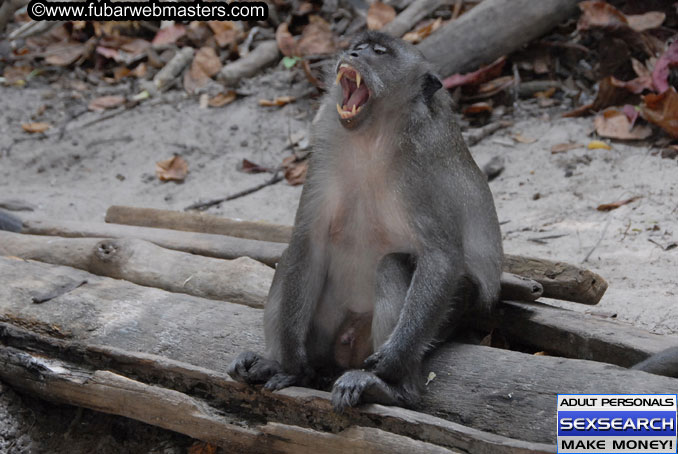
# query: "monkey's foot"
{"type": "Point", "coordinates": [357, 386]}
{"type": "Point", "coordinates": [252, 368]}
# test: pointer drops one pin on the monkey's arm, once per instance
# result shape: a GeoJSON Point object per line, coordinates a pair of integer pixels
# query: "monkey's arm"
{"type": "Point", "coordinates": [662, 363]}
{"type": "Point", "coordinates": [433, 296]}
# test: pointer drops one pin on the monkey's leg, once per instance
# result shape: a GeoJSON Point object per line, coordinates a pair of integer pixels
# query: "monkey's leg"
{"type": "Point", "coordinates": [663, 363]}
{"type": "Point", "coordinates": [394, 274]}
{"type": "Point", "coordinates": [434, 298]}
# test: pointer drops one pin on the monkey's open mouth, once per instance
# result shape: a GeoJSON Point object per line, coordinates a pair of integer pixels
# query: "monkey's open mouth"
{"type": "Point", "coordinates": [355, 92]}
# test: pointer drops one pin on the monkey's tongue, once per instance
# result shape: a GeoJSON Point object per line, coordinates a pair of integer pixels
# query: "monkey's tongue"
{"type": "Point", "coordinates": [358, 97]}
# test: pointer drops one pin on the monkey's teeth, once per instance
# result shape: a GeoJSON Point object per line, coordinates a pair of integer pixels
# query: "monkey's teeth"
{"type": "Point", "coordinates": [357, 79]}
{"type": "Point", "coordinates": [353, 111]}
{"type": "Point", "coordinates": [339, 109]}
{"type": "Point", "coordinates": [339, 74]}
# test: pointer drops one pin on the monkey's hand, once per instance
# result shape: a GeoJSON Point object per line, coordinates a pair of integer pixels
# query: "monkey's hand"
{"type": "Point", "coordinates": [359, 386]}
{"type": "Point", "coordinates": [388, 364]}
{"type": "Point", "coordinates": [251, 368]}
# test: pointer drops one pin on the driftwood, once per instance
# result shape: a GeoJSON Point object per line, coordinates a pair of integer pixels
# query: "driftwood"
{"type": "Point", "coordinates": [242, 280]}
{"type": "Point", "coordinates": [198, 222]}
{"type": "Point", "coordinates": [169, 73]}
{"type": "Point", "coordinates": [490, 30]}
{"type": "Point", "coordinates": [411, 15]}
{"type": "Point", "coordinates": [210, 245]}
{"type": "Point", "coordinates": [265, 54]}
{"type": "Point", "coordinates": [519, 288]}
{"type": "Point", "coordinates": [559, 280]}
{"type": "Point", "coordinates": [114, 325]}
{"type": "Point", "coordinates": [582, 286]}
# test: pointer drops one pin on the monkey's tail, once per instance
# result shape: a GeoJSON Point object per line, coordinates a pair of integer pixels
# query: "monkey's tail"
{"type": "Point", "coordinates": [663, 363]}
{"type": "Point", "coordinates": [10, 222]}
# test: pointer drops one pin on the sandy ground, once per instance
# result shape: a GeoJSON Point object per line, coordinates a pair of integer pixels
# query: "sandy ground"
{"type": "Point", "coordinates": [546, 202]}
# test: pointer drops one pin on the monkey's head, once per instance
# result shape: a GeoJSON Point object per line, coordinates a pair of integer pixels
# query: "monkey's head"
{"type": "Point", "coordinates": [379, 74]}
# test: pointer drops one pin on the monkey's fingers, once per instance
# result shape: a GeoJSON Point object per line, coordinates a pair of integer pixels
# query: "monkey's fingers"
{"type": "Point", "coordinates": [282, 380]}
{"type": "Point", "coordinates": [251, 368]}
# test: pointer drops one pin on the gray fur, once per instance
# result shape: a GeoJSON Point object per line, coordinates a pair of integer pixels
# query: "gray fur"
{"type": "Point", "coordinates": [395, 218]}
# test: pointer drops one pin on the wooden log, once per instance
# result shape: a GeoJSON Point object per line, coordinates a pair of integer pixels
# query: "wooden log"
{"type": "Point", "coordinates": [574, 335]}
{"type": "Point", "coordinates": [560, 280]}
{"type": "Point", "coordinates": [242, 280]}
{"type": "Point", "coordinates": [198, 222]}
{"type": "Point", "coordinates": [490, 30]}
{"type": "Point", "coordinates": [411, 15]}
{"type": "Point", "coordinates": [519, 288]}
{"type": "Point", "coordinates": [513, 394]}
{"type": "Point", "coordinates": [210, 245]}
{"type": "Point", "coordinates": [265, 54]}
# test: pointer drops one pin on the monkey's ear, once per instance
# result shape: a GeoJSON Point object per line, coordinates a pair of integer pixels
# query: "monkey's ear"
{"type": "Point", "coordinates": [430, 86]}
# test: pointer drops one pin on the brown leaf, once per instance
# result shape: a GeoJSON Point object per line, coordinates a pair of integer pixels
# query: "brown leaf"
{"type": "Point", "coordinates": [295, 170]}
{"type": "Point", "coordinates": [226, 33]}
{"type": "Point", "coordinates": [16, 75]}
{"type": "Point", "coordinates": [317, 38]}
{"type": "Point", "coordinates": [662, 110]}
{"type": "Point", "coordinates": [598, 14]}
{"type": "Point", "coordinates": [423, 32]}
{"type": "Point", "coordinates": [277, 102]}
{"type": "Point", "coordinates": [248, 166]}
{"type": "Point", "coordinates": [105, 102]}
{"type": "Point", "coordinates": [563, 147]}
{"type": "Point", "coordinates": [483, 74]}
{"type": "Point", "coordinates": [205, 64]}
{"type": "Point", "coordinates": [35, 127]}
{"type": "Point", "coordinates": [612, 92]}
{"type": "Point", "coordinates": [169, 35]}
{"type": "Point", "coordinates": [579, 111]}
{"type": "Point", "coordinates": [222, 99]}
{"type": "Point", "coordinates": [64, 53]}
{"type": "Point", "coordinates": [524, 139]}
{"type": "Point", "coordinates": [615, 124]}
{"type": "Point", "coordinates": [379, 15]}
{"type": "Point", "coordinates": [285, 40]}
{"type": "Point", "coordinates": [494, 86]}
{"type": "Point", "coordinates": [478, 108]}
{"type": "Point", "coordinates": [615, 205]}
{"type": "Point", "coordinates": [647, 21]}
{"type": "Point", "coordinates": [202, 447]}
{"type": "Point", "coordinates": [174, 169]}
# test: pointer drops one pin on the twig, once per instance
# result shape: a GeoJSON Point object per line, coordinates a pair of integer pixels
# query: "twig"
{"type": "Point", "coordinates": [602, 235]}
{"type": "Point", "coordinates": [210, 203]}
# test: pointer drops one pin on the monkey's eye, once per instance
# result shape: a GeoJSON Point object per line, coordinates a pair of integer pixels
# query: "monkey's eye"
{"type": "Point", "coordinates": [361, 46]}
{"type": "Point", "coordinates": [378, 48]}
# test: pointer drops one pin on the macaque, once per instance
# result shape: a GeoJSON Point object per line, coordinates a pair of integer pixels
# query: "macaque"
{"type": "Point", "coordinates": [396, 234]}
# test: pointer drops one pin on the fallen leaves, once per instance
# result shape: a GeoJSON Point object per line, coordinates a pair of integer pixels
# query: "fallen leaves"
{"type": "Point", "coordinates": [105, 102]}
{"type": "Point", "coordinates": [660, 75]}
{"type": "Point", "coordinates": [204, 66]}
{"type": "Point", "coordinates": [615, 205]}
{"type": "Point", "coordinates": [563, 147]}
{"type": "Point", "coordinates": [172, 169]}
{"type": "Point", "coordinates": [615, 124]}
{"type": "Point", "coordinates": [169, 35]}
{"type": "Point", "coordinates": [317, 38]}
{"type": "Point", "coordinates": [598, 145]}
{"type": "Point", "coordinates": [277, 102]}
{"type": "Point", "coordinates": [36, 127]}
{"type": "Point", "coordinates": [421, 33]}
{"type": "Point", "coordinates": [222, 99]}
{"type": "Point", "coordinates": [286, 42]}
{"type": "Point", "coordinates": [202, 447]}
{"type": "Point", "coordinates": [295, 170]}
{"type": "Point", "coordinates": [379, 15]}
{"type": "Point", "coordinates": [662, 110]}
{"type": "Point", "coordinates": [478, 77]}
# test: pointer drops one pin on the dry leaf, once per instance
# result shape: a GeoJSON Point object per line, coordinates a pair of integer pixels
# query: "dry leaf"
{"type": "Point", "coordinates": [616, 125]}
{"type": "Point", "coordinates": [423, 32]}
{"type": "Point", "coordinates": [169, 35]}
{"type": "Point", "coordinates": [495, 86]}
{"type": "Point", "coordinates": [277, 102]}
{"type": "Point", "coordinates": [222, 99]}
{"type": "Point", "coordinates": [105, 102]}
{"type": "Point", "coordinates": [647, 21]}
{"type": "Point", "coordinates": [172, 169]}
{"type": "Point", "coordinates": [317, 38]}
{"type": "Point", "coordinates": [483, 74]}
{"type": "Point", "coordinates": [478, 108]}
{"type": "Point", "coordinates": [248, 166]}
{"type": "Point", "coordinates": [226, 33]}
{"type": "Point", "coordinates": [295, 170]}
{"type": "Point", "coordinates": [16, 75]}
{"type": "Point", "coordinates": [205, 64]}
{"type": "Point", "coordinates": [598, 145]}
{"type": "Point", "coordinates": [202, 447]}
{"type": "Point", "coordinates": [662, 110]}
{"type": "Point", "coordinates": [285, 40]}
{"type": "Point", "coordinates": [615, 205]}
{"type": "Point", "coordinates": [546, 93]}
{"type": "Point", "coordinates": [524, 139]}
{"type": "Point", "coordinates": [563, 147]}
{"type": "Point", "coordinates": [660, 75]}
{"type": "Point", "coordinates": [598, 14]}
{"type": "Point", "coordinates": [379, 15]}
{"type": "Point", "coordinates": [64, 54]}
{"type": "Point", "coordinates": [35, 127]}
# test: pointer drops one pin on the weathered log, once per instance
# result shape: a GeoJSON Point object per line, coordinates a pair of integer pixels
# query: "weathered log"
{"type": "Point", "coordinates": [241, 280]}
{"type": "Point", "coordinates": [207, 244]}
{"type": "Point", "coordinates": [208, 334]}
{"type": "Point", "coordinates": [265, 54]}
{"type": "Point", "coordinates": [490, 30]}
{"type": "Point", "coordinates": [519, 288]}
{"type": "Point", "coordinates": [411, 15]}
{"type": "Point", "coordinates": [560, 280]}
{"type": "Point", "coordinates": [198, 222]}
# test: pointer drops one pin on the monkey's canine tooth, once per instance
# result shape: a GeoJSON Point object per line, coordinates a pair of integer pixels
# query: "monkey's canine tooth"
{"type": "Point", "coordinates": [357, 79]}
{"type": "Point", "coordinates": [353, 111]}
{"type": "Point", "coordinates": [339, 109]}
{"type": "Point", "coordinates": [339, 74]}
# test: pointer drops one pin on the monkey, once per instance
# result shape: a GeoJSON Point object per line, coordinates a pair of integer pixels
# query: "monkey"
{"type": "Point", "coordinates": [9, 222]}
{"type": "Point", "coordinates": [395, 236]}
{"type": "Point", "coordinates": [663, 363]}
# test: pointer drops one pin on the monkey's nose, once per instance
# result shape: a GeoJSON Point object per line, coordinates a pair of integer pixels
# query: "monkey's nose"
{"type": "Point", "coordinates": [354, 54]}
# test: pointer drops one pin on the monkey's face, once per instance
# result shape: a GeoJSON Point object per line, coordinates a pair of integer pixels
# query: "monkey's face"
{"type": "Point", "coordinates": [375, 76]}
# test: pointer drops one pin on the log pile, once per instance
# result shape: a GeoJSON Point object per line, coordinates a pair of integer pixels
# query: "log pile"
{"type": "Point", "coordinates": [135, 321]}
